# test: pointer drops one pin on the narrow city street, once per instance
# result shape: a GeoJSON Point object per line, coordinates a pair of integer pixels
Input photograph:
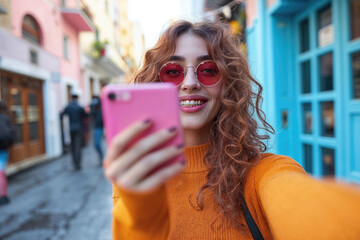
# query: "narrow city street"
{"type": "Point", "coordinates": [52, 201]}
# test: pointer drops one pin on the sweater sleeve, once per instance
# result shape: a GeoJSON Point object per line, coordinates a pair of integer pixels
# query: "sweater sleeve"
{"type": "Point", "coordinates": [140, 215]}
{"type": "Point", "coordinates": [297, 206]}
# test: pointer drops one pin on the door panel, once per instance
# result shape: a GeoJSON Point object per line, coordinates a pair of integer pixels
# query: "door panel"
{"type": "Point", "coordinates": [24, 97]}
{"type": "Point", "coordinates": [317, 92]}
{"type": "Point", "coordinates": [34, 113]}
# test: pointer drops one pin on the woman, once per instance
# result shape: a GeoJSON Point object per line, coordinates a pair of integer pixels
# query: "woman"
{"type": "Point", "coordinates": [6, 139]}
{"type": "Point", "coordinates": [226, 170]}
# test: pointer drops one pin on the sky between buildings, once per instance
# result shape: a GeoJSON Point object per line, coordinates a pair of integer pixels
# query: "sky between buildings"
{"type": "Point", "coordinates": [154, 15]}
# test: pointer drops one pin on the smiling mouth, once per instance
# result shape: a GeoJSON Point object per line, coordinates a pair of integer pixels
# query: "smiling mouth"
{"type": "Point", "coordinates": [191, 103]}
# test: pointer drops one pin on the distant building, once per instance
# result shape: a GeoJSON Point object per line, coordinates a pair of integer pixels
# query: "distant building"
{"type": "Point", "coordinates": [306, 54]}
{"type": "Point", "coordinates": [231, 12]}
{"type": "Point", "coordinates": [101, 62]}
{"type": "Point", "coordinates": [138, 44]}
{"type": "Point", "coordinates": [50, 51]}
{"type": "Point", "coordinates": [107, 55]}
{"type": "Point", "coordinates": [39, 67]}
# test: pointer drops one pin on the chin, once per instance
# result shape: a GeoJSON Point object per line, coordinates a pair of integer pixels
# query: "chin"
{"type": "Point", "coordinates": [194, 123]}
{"type": "Point", "coordinates": [186, 125]}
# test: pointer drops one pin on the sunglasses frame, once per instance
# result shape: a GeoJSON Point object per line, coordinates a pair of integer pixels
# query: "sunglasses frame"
{"type": "Point", "coordinates": [195, 72]}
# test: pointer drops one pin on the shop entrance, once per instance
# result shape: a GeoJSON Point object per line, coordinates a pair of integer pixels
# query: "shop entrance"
{"type": "Point", "coordinates": [25, 99]}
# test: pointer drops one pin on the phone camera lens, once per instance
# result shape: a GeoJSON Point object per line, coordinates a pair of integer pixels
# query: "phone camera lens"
{"type": "Point", "coordinates": [112, 96]}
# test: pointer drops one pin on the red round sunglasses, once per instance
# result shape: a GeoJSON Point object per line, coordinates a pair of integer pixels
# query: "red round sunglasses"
{"type": "Point", "coordinates": [207, 73]}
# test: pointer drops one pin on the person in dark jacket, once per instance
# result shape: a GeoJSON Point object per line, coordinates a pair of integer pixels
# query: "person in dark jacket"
{"type": "Point", "coordinates": [98, 124]}
{"type": "Point", "coordinates": [76, 115]}
{"type": "Point", "coordinates": [7, 138]}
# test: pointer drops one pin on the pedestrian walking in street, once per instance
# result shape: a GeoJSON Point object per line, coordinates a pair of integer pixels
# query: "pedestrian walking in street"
{"type": "Point", "coordinates": [98, 130]}
{"type": "Point", "coordinates": [77, 115]}
{"type": "Point", "coordinates": [7, 137]}
{"type": "Point", "coordinates": [229, 188]}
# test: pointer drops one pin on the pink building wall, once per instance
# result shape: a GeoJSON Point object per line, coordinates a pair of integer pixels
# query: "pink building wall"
{"type": "Point", "coordinates": [271, 2]}
{"type": "Point", "coordinates": [53, 28]}
{"type": "Point", "coordinates": [18, 49]}
{"type": "Point", "coordinates": [70, 67]}
{"type": "Point", "coordinates": [250, 12]}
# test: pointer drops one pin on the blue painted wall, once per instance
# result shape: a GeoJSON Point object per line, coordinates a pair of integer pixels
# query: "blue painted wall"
{"type": "Point", "coordinates": [274, 58]}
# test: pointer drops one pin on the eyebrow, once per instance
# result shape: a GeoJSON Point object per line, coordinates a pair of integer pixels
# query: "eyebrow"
{"type": "Point", "coordinates": [180, 58]}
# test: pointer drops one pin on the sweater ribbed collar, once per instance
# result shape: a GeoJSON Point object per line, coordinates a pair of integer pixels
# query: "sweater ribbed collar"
{"type": "Point", "coordinates": [194, 156]}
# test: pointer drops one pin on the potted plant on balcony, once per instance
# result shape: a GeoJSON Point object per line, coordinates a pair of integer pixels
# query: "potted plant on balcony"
{"type": "Point", "coordinates": [99, 48]}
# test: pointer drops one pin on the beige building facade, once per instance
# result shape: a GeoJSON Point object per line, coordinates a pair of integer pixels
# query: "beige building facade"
{"type": "Point", "coordinates": [108, 55]}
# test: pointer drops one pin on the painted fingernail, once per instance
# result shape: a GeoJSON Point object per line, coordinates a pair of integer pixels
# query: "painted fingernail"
{"type": "Point", "coordinates": [147, 121]}
{"type": "Point", "coordinates": [179, 146]}
{"type": "Point", "coordinates": [172, 129]}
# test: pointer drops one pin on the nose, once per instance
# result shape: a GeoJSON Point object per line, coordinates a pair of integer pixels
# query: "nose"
{"type": "Point", "coordinates": [190, 81]}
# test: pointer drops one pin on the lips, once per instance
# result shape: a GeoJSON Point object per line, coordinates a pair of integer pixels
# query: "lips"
{"type": "Point", "coordinates": [192, 103]}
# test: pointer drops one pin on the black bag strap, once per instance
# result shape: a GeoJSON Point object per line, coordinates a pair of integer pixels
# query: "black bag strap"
{"type": "Point", "coordinates": [255, 232]}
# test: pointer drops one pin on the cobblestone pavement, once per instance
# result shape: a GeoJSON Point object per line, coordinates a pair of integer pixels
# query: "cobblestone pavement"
{"type": "Point", "coordinates": [53, 202]}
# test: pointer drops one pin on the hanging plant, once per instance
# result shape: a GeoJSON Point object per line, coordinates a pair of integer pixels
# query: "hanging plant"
{"type": "Point", "coordinates": [99, 48]}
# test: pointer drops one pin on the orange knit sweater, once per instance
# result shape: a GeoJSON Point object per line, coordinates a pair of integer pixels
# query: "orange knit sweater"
{"type": "Point", "coordinates": [284, 201]}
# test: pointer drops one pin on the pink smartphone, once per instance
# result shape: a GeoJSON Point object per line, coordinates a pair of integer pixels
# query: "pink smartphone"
{"type": "Point", "coordinates": [124, 104]}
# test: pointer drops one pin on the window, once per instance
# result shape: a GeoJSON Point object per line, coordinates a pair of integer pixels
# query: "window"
{"type": "Point", "coordinates": [304, 36]}
{"type": "Point", "coordinates": [33, 57]}
{"type": "Point", "coordinates": [31, 30]}
{"type": "Point", "coordinates": [326, 72]}
{"type": "Point", "coordinates": [328, 162]}
{"type": "Point", "coordinates": [66, 48]}
{"type": "Point", "coordinates": [327, 119]}
{"type": "Point", "coordinates": [4, 88]}
{"type": "Point", "coordinates": [307, 118]}
{"type": "Point", "coordinates": [305, 77]}
{"type": "Point", "coordinates": [325, 27]}
{"type": "Point", "coordinates": [355, 59]}
{"type": "Point", "coordinates": [355, 19]}
{"type": "Point", "coordinates": [116, 12]}
{"type": "Point", "coordinates": [33, 116]}
{"type": "Point", "coordinates": [17, 113]}
{"type": "Point", "coordinates": [308, 160]}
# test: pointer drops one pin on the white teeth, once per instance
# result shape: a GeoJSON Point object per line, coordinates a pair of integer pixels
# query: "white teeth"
{"type": "Point", "coordinates": [191, 103]}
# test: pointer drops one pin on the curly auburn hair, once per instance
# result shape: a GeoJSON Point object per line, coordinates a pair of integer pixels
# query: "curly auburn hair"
{"type": "Point", "coordinates": [235, 143]}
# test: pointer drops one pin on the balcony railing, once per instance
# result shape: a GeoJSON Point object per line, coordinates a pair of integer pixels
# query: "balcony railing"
{"type": "Point", "coordinates": [78, 18]}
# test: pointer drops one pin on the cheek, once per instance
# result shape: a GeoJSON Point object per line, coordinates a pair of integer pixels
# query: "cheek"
{"type": "Point", "coordinates": [216, 92]}
{"type": "Point", "coordinates": [217, 107]}
{"type": "Point", "coordinates": [217, 104]}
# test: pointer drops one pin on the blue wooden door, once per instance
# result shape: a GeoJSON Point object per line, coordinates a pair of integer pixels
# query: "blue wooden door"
{"type": "Point", "coordinates": [328, 82]}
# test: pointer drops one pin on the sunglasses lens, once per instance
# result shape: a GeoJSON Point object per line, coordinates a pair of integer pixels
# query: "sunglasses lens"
{"type": "Point", "coordinates": [172, 72]}
{"type": "Point", "coordinates": [208, 73]}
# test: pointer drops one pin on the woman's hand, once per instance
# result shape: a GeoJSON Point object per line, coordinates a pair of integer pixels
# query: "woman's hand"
{"type": "Point", "coordinates": [129, 167]}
